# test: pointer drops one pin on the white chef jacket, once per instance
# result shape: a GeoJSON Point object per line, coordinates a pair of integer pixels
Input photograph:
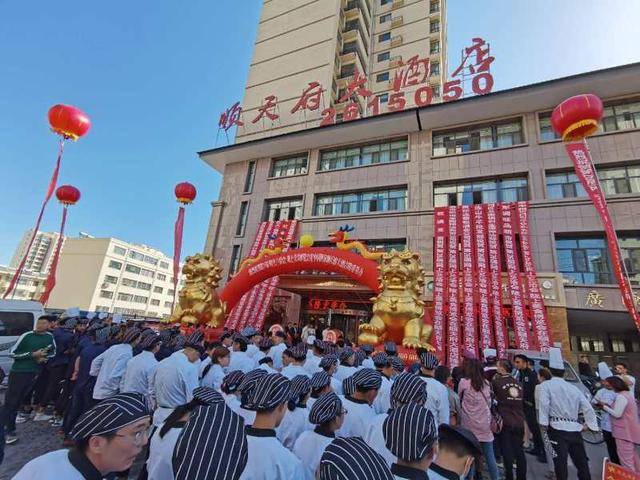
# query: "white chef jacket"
{"type": "Point", "coordinates": [293, 424]}
{"type": "Point", "coordinates": [159, 463]}
{"type": "Point", "coordinates": [368, 363]}
{"type": "Point", "coordinates": [312, 364]}
{"type": "Point", "coordinates": [357, 419]}
{"type": "Point", "coordinates": [608, 397]}
{"type": "Point", "coordinates": [560, 404]}
{"type": "Point", "coordinates": [259, 356]}
{"type": "Point", "coordinates": [175, 379]}
{"type": "Point", "coordinates": [269, 460]}
{"type": "Point", "coordinates": [437, 400]}
{"type": "Point", "coordinates": [267, 368]}
{"type": "Point", "coordinates": [382, 403]}
{"type": "Point", "coordinates": [109, 368]}
{"type": "Point", "coordinates": [252, 350]}
{"type": "Point", "coordinates": [309, 448]}
{"type": "Point", "coordinates": [138, 377]}
{"type": "Point", "coordinates": [203, 365]}
{"type": "Point", "coordinates": [214, 377]}
{"type": "Point", "coordinates": [275, 352]}
{"type": "Point", "coordinates": [50, 466]}
{"type": "Point", "coordinates": [241, 361]}
{"type": "Point", "coordinates": [249, 416]}
{"type": "Point", "coordinates": [343, 372]}
{"type": "Point", "coordinates": [375, 438]}
{"type": "Point", "coordinates": [336, 385]}
{"type": "Point", "coordinates": [232, 401]}
{"type": "Point", "coordinates": [293, 370]}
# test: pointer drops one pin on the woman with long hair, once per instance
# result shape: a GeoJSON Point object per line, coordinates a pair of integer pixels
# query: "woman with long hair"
{"type": "Point", "coordinates": [213, 374]}
{"type": "Point", "coordinates": [475, 411]}
{"type": "Point", "coordinates": [625, 427]}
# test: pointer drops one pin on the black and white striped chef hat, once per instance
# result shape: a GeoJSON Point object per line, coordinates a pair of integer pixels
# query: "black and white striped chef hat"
{"type": "Point", "coordinates": [367, 379]}
{"type": "Point", "coordinates": [325, 408]}
{"type": "Point", "coordinates": [328, 361]}
{"type": "Point", "coordinates": [348, 386]}
{"type": "Point", "coordinates": [102, 334]}
{"type": "Point", "coordinates": [300, 385]}
{"type": "Point", "coordinates": [398, 364]}
{"type": "Point", "coordinates": [269, 391]}
{"type": "Point", "coordinates": [299, 352]}
{"type": "Point", "coordinates": [410, 432]}
{"type": "Point", "coordinates": [429, 361]}
{"type": "Point", "coordinates": [265, 343]}
{"type": "Point", "coordinates": [232, 381]}
{"type": "Point", "coordinates": [345, 353]}
{"type": "Point", "coordinates": [320, 380]}
{"type": "Point", "coordinates": [390, 348]}
{"type": "Point", "coordinates": [130, 335]}
{"type": "Point", "coordinates": [248, 383]}
{"type": "Point", "coordinates": [110, 415]}
{"type": "Point", "coordinates": [359, 358]}
{"type": "Point", "coordinates": [195, 338]}
{"type": "Point", "coordinates": [381, 360]}
{"type": "Point", "coordinates": [207, 395]}
{"type": "Point", "coordinates": [149, 341]}
{"type": "Point", "coordinates": [352, 459]}
{"type": "Point", "coordinates": [366, 348]}
{"type": "Point", "coordinates": [211, 445]}
{"type": "Point", "coordinates": [408, 388]}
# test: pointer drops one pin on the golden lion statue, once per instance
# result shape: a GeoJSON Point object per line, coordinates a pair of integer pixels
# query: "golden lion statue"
{"type": "Point", "coordinates": [398, 311]}
{"type": "Point", "coordinates": [198, 301]}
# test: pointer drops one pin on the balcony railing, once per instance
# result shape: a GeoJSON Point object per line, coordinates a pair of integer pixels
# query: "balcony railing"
{"type": "Point", "coordinates": [396, 22]}
{"type": "Point", "coordinates": [397, 4]}
{"type": "Point", "coordinates": [396, 41]}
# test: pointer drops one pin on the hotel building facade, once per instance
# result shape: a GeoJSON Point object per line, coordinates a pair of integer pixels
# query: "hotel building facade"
{"type": "Point", "coordinates": [386, 174]}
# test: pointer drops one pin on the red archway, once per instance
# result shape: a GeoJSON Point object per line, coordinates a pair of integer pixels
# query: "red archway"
{"type": "Point", "coordinates": [347, 263]}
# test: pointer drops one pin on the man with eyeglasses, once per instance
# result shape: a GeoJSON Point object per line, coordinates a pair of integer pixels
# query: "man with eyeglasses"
{"type": "Point", "coordinates": [108, 439]}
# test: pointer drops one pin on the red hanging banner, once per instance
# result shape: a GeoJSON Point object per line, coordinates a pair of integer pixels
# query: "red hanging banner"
{"type": "Point", "coordinates": [177, 249]}
{"type": "Point", "coordinates": [536, 302]}
{"type": "Point", "coordinates": [453, 323]}
{"type": "Point", "coordinates": [581, 158]}
{"type": "Point", "coordinates": [51, 278]}
{"type": "Point", "coordinates": [482, 275]}
{"type": "Point", "coordinates": [520, 326]}
{"type": "Point", "coordinates": [441, 231]}
{"type": "Point", "coordinates": [495, 266]}
{"type": "Point", "coordinates": [468, 293]}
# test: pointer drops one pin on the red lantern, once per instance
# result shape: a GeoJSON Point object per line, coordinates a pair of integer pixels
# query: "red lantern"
{"type": "Point", "coordinates": [185, 192]}
{"type": "Point", "coordinates": [67, 194]}
{"type": "Point", "coordinates": [68, 121]}
{"type": "Point", "coordinates": [577, 117]}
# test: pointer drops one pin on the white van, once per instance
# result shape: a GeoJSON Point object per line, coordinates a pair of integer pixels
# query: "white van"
{"type": "Point", "coordinates": [16, 318]}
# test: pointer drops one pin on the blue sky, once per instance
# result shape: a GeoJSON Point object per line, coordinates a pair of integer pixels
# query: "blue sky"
{"type": "Point", "coordinates": [155, 75]}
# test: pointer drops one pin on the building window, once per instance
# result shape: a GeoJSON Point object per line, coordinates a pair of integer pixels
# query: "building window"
{"type": "Point", "coordinates": [384, 56]}
{"type": "Point", "coordinates": [434, 7]}
{"type": "Point", "coordinates": [584, 261]}
{"type": "Point", "coordinates": [434, 27]}
{"type": "Point", "coordinates": [167, 304]}
{"type": "Point", "coordinates": [547, 133]}
{"type": "Point", "coordinates": [157, 289]}
{"type": "Point", "coordinates": [114, 264]}
{"type": "Point", "coordinates": [127, 282]}
{"type": "Point", "coordinates": [110, 279]}
{"type": "Point", "coordinates": [132, 268]}
{"type": "Point", "coordinates": [618, 345]}
{"type": "Point", "coordinates": [235, 259]}
{"type": "Point", "coordinates": [384, 2]}
{"type": "Point", "coordinates": [436, 90]}
{"type": "Point", "coordinates": [435, 69]}
{"type": "Point", "coordinates": [171, 292]}
{"type": "Point", "coordinates": [125, 297]}
{"type": "Point", "coordinates": [590, 344]}
{"type": "Point", "coordinates": [399, 244]}
{"type": "Point", "coordinates": [384, 98]}
{"type": "Point", "coordinates": [478, 137]}
{"type": "Point", "coordinates": [248, 179]}
{"type": "Point", "coordinates": [614, 180]}
{"type": "Point", "coordinates": [382, 77]}
{"type": "Point", "coordinates": [140, 299]}
{"type": "Point", "coordinates": [630, 252]}
{"type": "Point", "coordinates": [106, 294]}
{"type": "Point", "coordinates": [288, 209]}
{"type": "Point", "coordinates": [136, 255]}
{"type": "Point", "coordinates": [385, 18]}
{"type": "Point", "coordinates": [623, 115]}
{"type": "Point", "coordinates": [361, 155]}
{"type": "Point", "coordinates": [384, 37]}
{"type": "Point", "coordinates": [147, 273]}
{"type": "Point", "coordinates": [285, 167]}
{"type": "Point", "coordinates": [435, 47]}
{"type": "Point", "coordinates": [162, 276]}
{"type": "Point", "coordinates": [101, 308]}
{"type": "Point", "coordinates": [150, 260]}
{"type": "Point", "coordinates": [361, 202]}
{"type": "Point", "coordinates": [119, 250]}
{"type": "Point", "coordinates": [164, 265]}
{"type": "Point", "coordinates": [144, 286]}
{"type": "Point", "coordinates": [155, 302]}
{"type": "Point", "coordinates": [242, 219]}
{"type": "Point", "coordinates": [475, 192]}
{"type": "Point", "coordinates": [347, 70]}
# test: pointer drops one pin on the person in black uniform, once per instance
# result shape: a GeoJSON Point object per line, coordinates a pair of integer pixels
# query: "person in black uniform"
{"type": "Point", "coordinates": [529, 379]}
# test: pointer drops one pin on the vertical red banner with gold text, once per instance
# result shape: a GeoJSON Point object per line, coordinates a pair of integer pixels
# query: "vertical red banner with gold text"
{"type": "Point", "coordinates": [536, 302]}
{"type": "Point", "coordinates": [453, 323]}
{"type": "Point", "coordinates": [440, 234]}
{"type": "Point", "coordinates": [495, 279]}
{"type": "Point", "coordinates": [520, 327]}
{"type": "Point", "coordinates": [482, 277]}
{"type": "Point", "coordinates": [468, 292]}
{"type": "Point", "coordinates": [581, 158]}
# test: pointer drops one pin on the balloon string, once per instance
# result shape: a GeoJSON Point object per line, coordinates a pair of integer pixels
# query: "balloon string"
{"type": "Point", "coordinates": [52, 186]}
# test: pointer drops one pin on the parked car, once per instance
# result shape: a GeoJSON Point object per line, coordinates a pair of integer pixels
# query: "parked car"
{"type": "Point", "coordinates": [16, 318]}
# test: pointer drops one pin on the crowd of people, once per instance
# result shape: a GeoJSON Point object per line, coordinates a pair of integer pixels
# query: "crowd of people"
{"type": "Point", "coordinates": [255, 407]}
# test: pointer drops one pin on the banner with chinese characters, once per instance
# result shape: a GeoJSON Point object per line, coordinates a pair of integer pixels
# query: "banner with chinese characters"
{"type": "Point", "coordinates": [252, 307]}
{"type": "Point", "coordinates": [586, 173]}
{"type": "Point", "coordinates": [470, 293]}
{"type": "Point", "coordinates": [613, 471]}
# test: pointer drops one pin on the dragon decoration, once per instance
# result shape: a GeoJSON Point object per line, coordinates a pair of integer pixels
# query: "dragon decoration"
{"type": "Point", "coordinates": [398, 311]}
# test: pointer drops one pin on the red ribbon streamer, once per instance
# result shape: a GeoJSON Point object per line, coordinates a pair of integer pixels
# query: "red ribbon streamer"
{"type": "Point", "coordinates": [441, 230]}
{"type": "Point", "coordinates": [585, 171]}
{"type": "Point", "coordinates": [495, 266]}
{"type": "Point", "coordinates": [51, 278]}
{"type": "Point", "coordinates": [50, 190]}
{"type": "Point", "coordinates": [468, 284]}
{"type": "Point", "coordinates": [177, 249]}
{"type": "Point", "coordinates": [482, 275]}
{"type": "Point", "coordinates": [453, 323]}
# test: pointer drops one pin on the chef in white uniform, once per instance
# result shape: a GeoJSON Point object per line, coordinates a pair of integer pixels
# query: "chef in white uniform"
{"type": "Point", "coordinates": [346, 368]}
{"type": "Point", "coordinates": [278, 347]}
{"type": "Point", "coordinates": [296, 367]}
{"type": "Point", "coordinates": [268, 459]}
{"type": "Point", "coordinates": [266, 364]}
{"type": "Point", "coordinates": [254, 338]}
{"type": "Point", "coordinates": [398, 366]}
{"type": "Point", "coordinates": [138, 376]}
{"type": "Point", "coordinates": [407, 388]}
{"type": "Point", "coordinates": [329, 364]}
{"type": "Point", "coordinates": [368, 361]}
{"type": "Point", "coordinates": [296, 418]}
{"type": "Point", "coordinates": [245, 389]}
{"type": "Point", "coordinates": [213, 374]}
{"type": "Point", "coordinates": [366, 383]}
{"type": "Point", "coordinates": [327, 415]}
{"type": "Point", "coordinates": [437, 394]}
{"type": "Point", "coordinates": [264, 346]}
{"type": "Point", "coordinates": [163, 440]}
{"type": "Point", "coordinates": [382, 363]}
{"type": "Point", "coordinates": [320, 384]}
{"type": "Point", "coordinates": [240, 360]}
{"type": "Point", "coordinates": [109, 367]}
{"type": "Point", "coordinates": [108, 438]}
{"type": "Point", "coordinates": [314, 356]}
{"type": "Point", "coordinates": [229, 389]}
{"type": "Point", "coordinates": [213, 433]}
{"type": "Point", "coordinates": [352, 459]}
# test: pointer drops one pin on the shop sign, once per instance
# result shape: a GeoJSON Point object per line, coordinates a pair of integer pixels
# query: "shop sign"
{"type": "Point", "coordinates": [594, 299]}
{"type": "Point", "coordinates": [324, 304]}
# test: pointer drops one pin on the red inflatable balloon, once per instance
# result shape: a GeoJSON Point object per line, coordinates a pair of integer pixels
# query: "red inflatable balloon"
{"type": "Point", "coordinates": [185, 192]}
{"type": "Point", "coordinates": [577, 117]}
{"type": "Point", "coordinates": [68, 121]}
{"type": "Point", "coordinates": [67, 194]}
